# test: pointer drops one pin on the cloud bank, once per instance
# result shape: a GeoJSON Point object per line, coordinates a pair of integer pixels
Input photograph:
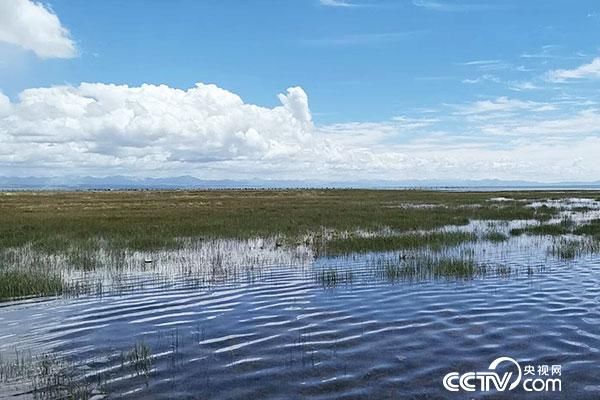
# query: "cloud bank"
{"type": "Point", "coordinates": [33, 26]}
{"type": "Point", "coordinates": [158, 131]}
{"type": "Point", "coordinates": [149, 126]}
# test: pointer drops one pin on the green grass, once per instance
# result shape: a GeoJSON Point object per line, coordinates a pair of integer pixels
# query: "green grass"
{"type": "Point", "coordinates": [591, 228]}
{"type": "Point", "coordinates": [433, 240]}
{"type": "Point", "coordinates": [562, 228]}
{"type": "Point", "coordinates": [46, 377]}
{"type": "Point", "coordinates": [52, 376]}
{"type": "Point", "coordinates": [25, 283]}
{"type": "Point", "coordinates": [568, 249]}
{"type": "Point", "coordinates": [139, 358]}
{"type": "Point", "coordinates": [495, 237]}
{"type": "Point", "coordinates": [148, 220]}
{"type": "Point", "coordinates": [426, 267]}
{"type": "Point", "coordinates": [331, 277]}
{"type": "Point", "coordinates": [88, 231]}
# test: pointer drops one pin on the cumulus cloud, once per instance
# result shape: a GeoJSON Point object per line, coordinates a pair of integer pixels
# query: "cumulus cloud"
{"type": "Point", "coordinates": [4, 104]}
{"type": "Point", "coordinates": [590, 70]}
{"type": "Point", "coordinates": [33, 26]}
{"type": "Point", "coordinates": [115, 123]}
{"type": "Point", "coordinates": [205, 131]}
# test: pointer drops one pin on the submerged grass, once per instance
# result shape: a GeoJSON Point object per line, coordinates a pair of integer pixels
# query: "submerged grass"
{"type": "Point", "coordinates": [51, 376]}
{"type": "Point", "coordinates": [139, 358]}
{"type": "Point", "coordinates": [46, 377]}
{"type": "Point", "coordinates": [331, 277]}
{"type": "Point", "coordinates": [433, 240]}
{"type": "Point", "coordinates": [430, 266]}
{"type": "Point", "coordinates": [570, 248]}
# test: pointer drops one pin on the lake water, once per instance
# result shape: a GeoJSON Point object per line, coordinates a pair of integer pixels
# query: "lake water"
{"type": "Point", "coordinates": [278, 333]}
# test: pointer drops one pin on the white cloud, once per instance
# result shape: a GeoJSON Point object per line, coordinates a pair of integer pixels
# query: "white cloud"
{"type": "Point", "coordinates": [116, 123]}
{"type": "Point", "coordinates": [336, 3]}
{"type": "Point", "coordinates": [33, 26]}
{"type": "Point", "coordinates": [454, 6]}
{"type": "Point", "coordinates": [520, 86]}
{"type": "Point", "coordinates": [558, 128]}
{"type": "Point", "coordinates": [590, 70]}
{"type": "Point", "coordinates": [480, 62]}
{"type": "Point", "coordinates": [503, 104]}
{"type": "Point", "coordinates": [4, 104]}
{"type": "Point", "coordinates": [481, 79]}
{"type": "Point", "coordinates": [205, 131]}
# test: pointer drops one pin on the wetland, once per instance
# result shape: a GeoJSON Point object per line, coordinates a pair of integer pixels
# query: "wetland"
{"type": "Point", "coordinates": [278, 294]}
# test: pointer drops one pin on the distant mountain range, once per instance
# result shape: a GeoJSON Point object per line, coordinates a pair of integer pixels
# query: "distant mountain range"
{"type": "Point", "coordinates": [190, 182]}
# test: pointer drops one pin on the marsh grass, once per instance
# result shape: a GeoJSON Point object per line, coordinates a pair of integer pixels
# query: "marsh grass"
{"type": "Point", "coordinates": [150, 220]}
{"type": "Point", "coordinates": [413, 240]}
{"type": "Point", "coordinates": [495, 237]}
{"type": "Point", "coordinates": [426, 267]}
{"type": "Point", "coordinates": [562, 228]}
{"type": "Point", "coordinates": [43, 234]}
{"type": "Point", "coordinates": [195, 263]}
{"type": "Point", "coordinates": [51, 376]}
{"type": "Point", "coordinates": [331, 277]}
{"type": "Point", "coordinates": [570, 248]}
{"type": "Point", "coordinates": [394, 268]}
{"type": "Point", "coordinates": [139, 358]}
{"type": "Point", "coordinates": [592, 228]}
{"type": "Point", "coordinates": [26, 283]}
{"type": "Point", "coordinates": [46, 377]}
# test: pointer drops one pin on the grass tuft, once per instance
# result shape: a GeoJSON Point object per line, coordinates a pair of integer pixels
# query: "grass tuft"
{"type": "Point", "coordinates": [495, 237]}
{"type": "Point", "coordinates": [331, 277]}
{"type": "Point", "coordinates": [421, 268]}
{"type": "Point", "coordinates": [592, 228]}
{"type": "Point", "coordinates": [24, 283]}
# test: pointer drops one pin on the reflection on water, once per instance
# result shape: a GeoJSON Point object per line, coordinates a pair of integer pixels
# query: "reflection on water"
{"type": "Point", "coordinates": [269, 330]}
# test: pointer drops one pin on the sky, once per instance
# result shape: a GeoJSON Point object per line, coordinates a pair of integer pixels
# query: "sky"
{"type": "Point", "coordinates": [338, 90]}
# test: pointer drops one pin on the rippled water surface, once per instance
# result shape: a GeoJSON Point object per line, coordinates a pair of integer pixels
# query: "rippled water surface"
{"type": "Point", "coordinates": [282, 334]}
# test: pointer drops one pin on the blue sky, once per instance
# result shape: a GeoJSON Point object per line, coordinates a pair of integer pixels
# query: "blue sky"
{"type": "Point", "coordinates": [393, 83]}
{"type": "Point", "coordinates": [397, 55]}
